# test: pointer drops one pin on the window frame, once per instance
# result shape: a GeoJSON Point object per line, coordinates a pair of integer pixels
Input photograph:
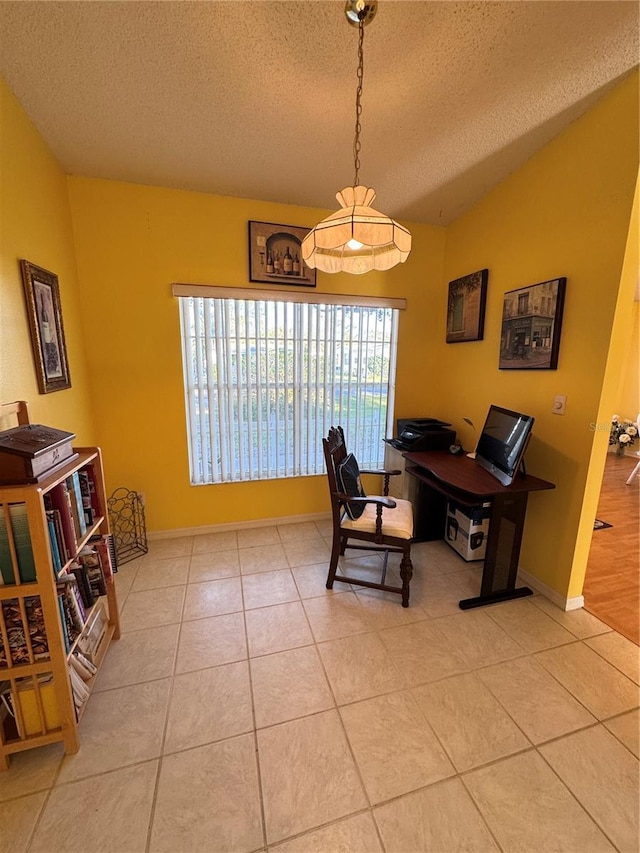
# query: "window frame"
{"type": "Point", "coordinates": [200, 470]}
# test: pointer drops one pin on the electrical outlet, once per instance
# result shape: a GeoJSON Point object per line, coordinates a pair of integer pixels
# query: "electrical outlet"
{"type": "Point", "coordinates": [559, 404]}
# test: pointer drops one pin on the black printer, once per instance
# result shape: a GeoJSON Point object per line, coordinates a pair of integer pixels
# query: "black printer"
{"type": "Point", "coordinates": [422, 434]}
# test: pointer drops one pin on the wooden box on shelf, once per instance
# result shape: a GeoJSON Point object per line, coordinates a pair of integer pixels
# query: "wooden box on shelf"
{"type": "Point", "coordinates": [51, 601]}
{"type": "Point", "coordinates": [30, 452]}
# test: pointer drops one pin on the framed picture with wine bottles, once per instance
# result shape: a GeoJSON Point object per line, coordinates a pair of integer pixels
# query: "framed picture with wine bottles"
{"type": "Point", "coordinates": [45, 324]}
{"type": "Point", "coordinates": [275, 255]}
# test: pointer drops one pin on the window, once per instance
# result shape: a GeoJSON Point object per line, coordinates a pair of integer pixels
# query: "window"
{"type": "Point", "coordinates": [265, 379]}
{"type": "Point", "coordinates": [523, 303]}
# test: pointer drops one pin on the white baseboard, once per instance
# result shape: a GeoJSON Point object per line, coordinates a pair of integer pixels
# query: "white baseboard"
{"type": "Point", "coordinates": [236, 525]}
{"type": "Point", "coordinates": [575, 603]}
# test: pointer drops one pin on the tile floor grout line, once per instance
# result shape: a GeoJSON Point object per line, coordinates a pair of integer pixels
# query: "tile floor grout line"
{"type": "Point", "coordinates": [610, 662]}
{"type": "Point", "coordinates": [570, 691]}
{"type": "Point", "coordinates": [263, 817]}
{"type": "Point", "coordinates": [156, 787]}
{"type": "Point", "coordinates": [45, 803]}
{"type": "Point", "coordinates": [484, 820]}
{"type": "Point", "coordinates": [581, 805]}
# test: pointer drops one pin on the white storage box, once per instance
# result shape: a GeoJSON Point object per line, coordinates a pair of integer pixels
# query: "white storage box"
{"type": "Point", "coordinates": [467, 528]}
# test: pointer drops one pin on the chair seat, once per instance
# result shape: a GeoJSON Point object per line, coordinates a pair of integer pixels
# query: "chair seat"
{"type": "Point", "coordinates": [396, 522]}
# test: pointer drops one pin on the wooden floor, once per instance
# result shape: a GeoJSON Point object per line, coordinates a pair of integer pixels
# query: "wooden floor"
{"type": "Point", "coordinates": [612, 584]}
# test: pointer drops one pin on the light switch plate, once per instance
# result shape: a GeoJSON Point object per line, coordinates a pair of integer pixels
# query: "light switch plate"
{"type": "Point", "coordinates": [559, 404]}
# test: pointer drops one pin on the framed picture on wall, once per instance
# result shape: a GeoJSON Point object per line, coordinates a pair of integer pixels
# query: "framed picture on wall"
{"type": "Point", "coordinates": [275, 255]}
{"type": "Point", "coordinates": [45, 324]}
{"type": "Point", "coordinates": [466, 306]}
{"type": "Point", "coordinates": [531, 326]}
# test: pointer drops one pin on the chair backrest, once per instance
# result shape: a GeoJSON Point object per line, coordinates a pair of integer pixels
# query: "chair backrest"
{"type": "Point", "coordinates": [335, 452]}
{"type": "Point", "coordinates": [19, 409]}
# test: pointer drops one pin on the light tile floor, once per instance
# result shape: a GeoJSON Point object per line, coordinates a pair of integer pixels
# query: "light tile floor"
{"type": "Point", "coordinates": [246, 708]}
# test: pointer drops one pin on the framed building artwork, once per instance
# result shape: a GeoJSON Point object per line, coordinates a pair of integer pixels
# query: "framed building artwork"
{"type": "Point", "coordinates": [466, 306]}
{"type": "Point", "coordinates": [531, 325]}
{"type": "Point", "coordinates": [45, 324]}
{"type": "Point", "coordinates": [275, 255]}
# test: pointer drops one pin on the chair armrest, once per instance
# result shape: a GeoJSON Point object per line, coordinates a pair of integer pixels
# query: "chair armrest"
{"type": "Point", "coordinates": [388, 503]}
{"type": "Point", "coordinates": [386, 475]}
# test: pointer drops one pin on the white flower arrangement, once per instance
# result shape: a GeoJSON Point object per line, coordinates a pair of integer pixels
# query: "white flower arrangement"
{"type": "Point", "coordinates": [622, 434]}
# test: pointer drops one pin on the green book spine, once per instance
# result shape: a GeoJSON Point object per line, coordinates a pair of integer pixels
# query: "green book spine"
{"type": "Point", "coordinates": [6, 566]}
{"type": "Point", "coordinates": [22, 541]}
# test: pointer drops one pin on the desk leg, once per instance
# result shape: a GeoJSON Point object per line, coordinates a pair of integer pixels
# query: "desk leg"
{"type": "Point", "coordinates": [503, 552]}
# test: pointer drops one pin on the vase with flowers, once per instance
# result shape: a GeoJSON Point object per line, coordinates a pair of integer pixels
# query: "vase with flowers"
{"type": "Point", "coordinates": [622, 434]}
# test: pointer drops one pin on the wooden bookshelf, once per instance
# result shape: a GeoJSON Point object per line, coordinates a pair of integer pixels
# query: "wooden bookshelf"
{"type": "Point", "coordinates": [53, 696]}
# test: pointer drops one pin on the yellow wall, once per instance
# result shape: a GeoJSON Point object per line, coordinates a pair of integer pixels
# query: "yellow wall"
{"type": "Point", "coordinates": [132, 242]}
{"type": "Point", "coordinates": [628, 399]}
{"type": "Point", "coordinates": [35, 224]}
{"type": "Point", "coordinates": [620, 335]}
{"type": "Point", "coordinates": [564, 213]}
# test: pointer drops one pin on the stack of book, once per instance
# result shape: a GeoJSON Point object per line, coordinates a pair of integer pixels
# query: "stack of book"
{"type": "Point", "coordinates": [72, 508]}
{"type": "Point", "coordinates": [93, 634]}
{"type": "Point", "coordinates": [73, 614]}
{"type": "Point", "coordinates": [30, 721]}
{"type": "Point", "coordinates": [81, 670]}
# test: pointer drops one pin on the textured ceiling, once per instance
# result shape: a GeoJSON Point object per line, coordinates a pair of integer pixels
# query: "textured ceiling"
{"type": "Point", "coordinates": [256, 99]}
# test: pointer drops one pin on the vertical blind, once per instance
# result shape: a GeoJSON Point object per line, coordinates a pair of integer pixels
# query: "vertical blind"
{"type": "Point", "coordinates": [265, 379]}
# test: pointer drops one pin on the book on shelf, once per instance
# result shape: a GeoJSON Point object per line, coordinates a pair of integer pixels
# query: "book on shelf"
{"type": "Point", "coordinates": [82, 665]}
{"type": "Point", "coordinates": [63, 622]}
{"type": "Point", "coordinates": [31, 722]}
{"type": "Point", "coordinates": [17, 631]}
{"type": "Point", "coordinates": [92, 559]}
{"type": "Point", "coordinates": [73, 484]}
{"type": "Point", "coordinates": [93, 634]}
{"type": "Point", "coordinates": [61, 502]}
{"type": "Point", "coordinates": [53, 545]}
{"type": "Point", "coordinates": [22, 544]}
{"type": "Point", "coordinates": [54, 515]}
{"type": "Point", "coordinates": [89, 494]}
{"type": "Point", "coordinates": [82, 576]}
{"type": "Point", "coordinates": [79, 689]}
{"type": "Point", "coordinates": [74, 612]}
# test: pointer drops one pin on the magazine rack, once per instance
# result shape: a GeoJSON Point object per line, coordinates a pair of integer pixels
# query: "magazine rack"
{"type": "Point", "coordinates": [126, 516]}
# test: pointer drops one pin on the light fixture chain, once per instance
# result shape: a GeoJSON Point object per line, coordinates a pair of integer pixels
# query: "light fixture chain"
{"type": "Point", "coordinates": [356, 141]}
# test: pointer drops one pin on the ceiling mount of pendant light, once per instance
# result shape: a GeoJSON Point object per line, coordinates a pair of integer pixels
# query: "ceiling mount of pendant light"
{"type": "Point", "coordinates": [357, 239]}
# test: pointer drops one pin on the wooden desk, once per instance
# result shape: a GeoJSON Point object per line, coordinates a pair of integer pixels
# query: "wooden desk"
{"type": "Point", "coordinates": [461, 479]}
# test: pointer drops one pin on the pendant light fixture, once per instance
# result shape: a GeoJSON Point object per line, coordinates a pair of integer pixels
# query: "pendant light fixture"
{"type": "Point", "coordinates": [357, 239]}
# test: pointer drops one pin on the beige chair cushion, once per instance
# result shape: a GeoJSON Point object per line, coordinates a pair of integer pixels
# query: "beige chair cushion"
{"type": "Point", "coordinates": [395, 522]}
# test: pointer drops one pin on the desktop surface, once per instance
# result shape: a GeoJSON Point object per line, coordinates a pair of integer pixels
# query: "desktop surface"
{"type": "Point", "coordinates": [465, 475]}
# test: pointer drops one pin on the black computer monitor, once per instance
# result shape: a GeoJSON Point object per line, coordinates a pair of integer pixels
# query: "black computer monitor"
{"type": "Point", "coordinates": [503, 441]}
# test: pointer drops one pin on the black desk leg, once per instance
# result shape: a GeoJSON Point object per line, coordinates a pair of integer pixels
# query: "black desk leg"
{"type": "Point", "coordinates": [503, 551]}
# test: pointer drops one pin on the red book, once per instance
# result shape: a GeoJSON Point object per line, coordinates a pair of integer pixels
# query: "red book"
{"type": "Point", "coordinates": [61, 500]}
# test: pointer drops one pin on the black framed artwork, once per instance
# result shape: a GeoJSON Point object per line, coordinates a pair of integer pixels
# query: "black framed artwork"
{"type": "Point", "coordinates": [531, 326]}
{"type": "Point", "coordinates": [466, 306]}
{"type": "Point", "coordinates": [275, 255]}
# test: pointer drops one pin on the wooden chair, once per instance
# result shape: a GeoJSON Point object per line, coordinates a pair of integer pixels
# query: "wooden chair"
{"type": "Point", "coordinates": [386, 523]}
{"type": "Point", "coordinates": [19, 409]}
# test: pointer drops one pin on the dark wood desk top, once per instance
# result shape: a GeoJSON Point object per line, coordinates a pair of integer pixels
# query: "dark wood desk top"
{"type": "Point", "coordinates": [465, 475]}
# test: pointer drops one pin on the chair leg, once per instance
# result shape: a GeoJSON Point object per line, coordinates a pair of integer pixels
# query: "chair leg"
{"type": "Point", "coordinates": [333, 564]}
{"type": "Point", "coordinates": [406, 573]}
{"type": "Point", "coordinates": [384, 567]}
{"type": "Point", "coordinates": [635, 471]}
